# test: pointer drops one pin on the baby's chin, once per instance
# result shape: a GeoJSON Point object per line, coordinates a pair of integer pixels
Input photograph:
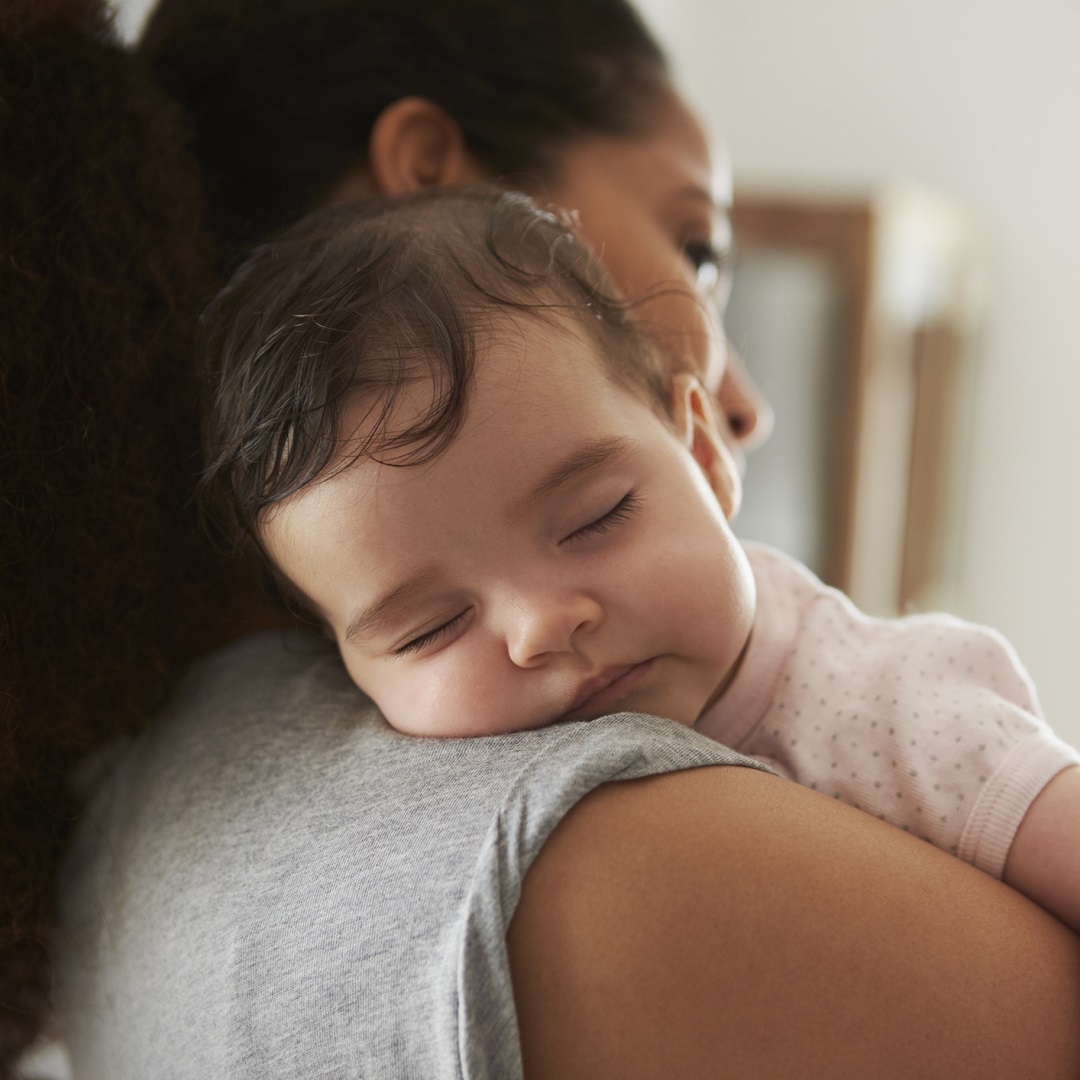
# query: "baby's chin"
{"type": "Point", "coordinates": [476, 729]}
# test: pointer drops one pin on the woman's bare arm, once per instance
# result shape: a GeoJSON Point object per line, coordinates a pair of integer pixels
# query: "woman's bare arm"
{"type": "Point", "coordinates": [723, 922]}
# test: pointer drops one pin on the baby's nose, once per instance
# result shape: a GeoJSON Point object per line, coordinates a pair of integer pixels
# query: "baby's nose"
{"type": "Point", "coordinates": [547, 622]}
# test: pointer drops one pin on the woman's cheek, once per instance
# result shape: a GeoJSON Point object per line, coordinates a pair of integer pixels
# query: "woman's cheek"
{"type": "Point", "coordinates": [688, 338]}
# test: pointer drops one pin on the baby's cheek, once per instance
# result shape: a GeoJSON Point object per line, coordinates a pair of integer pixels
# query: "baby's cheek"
{"type": "Point", "coordinates": [390, 690]}
{"type": "Point", "coordinates": [453, 693]}
{"type": "Point", "coordinates": [355, 670]}
{"type": "Point", "coordinates": [710, 602]}
{"type": "Point", "coordinates": [479, 694]}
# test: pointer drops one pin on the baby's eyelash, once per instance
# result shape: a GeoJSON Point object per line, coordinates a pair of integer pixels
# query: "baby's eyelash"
{"type": "Point", "coordinates": [619, 513]}
{"type": "Point", "coordinates": [431, 636]}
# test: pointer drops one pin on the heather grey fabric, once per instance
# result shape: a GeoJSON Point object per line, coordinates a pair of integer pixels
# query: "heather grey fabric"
{"type": "Point", "coordinates": [272, 883]}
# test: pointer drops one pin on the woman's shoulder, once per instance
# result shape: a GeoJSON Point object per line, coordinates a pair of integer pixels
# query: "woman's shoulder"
{"type": "Point", "coordinates": [280, 705]}
{"type": "Point", "coordinates": [271, 839]}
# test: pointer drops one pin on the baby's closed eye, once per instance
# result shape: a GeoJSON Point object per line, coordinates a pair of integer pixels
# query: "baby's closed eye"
{"type": "Point", "coordinates": [430, 637]}
{"type": "Point", "coordinates": [616, 515]}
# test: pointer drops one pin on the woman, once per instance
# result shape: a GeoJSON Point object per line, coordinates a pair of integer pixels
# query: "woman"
{"type": "Point", "coordinates": [272, 883]}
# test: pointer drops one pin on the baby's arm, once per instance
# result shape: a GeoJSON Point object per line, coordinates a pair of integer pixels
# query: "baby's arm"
{"type": "Point", "coordinates": [1044, 859]}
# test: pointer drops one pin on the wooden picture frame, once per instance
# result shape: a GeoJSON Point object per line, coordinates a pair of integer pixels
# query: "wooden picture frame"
{"type": "Point", "coordinates": [898, 283]}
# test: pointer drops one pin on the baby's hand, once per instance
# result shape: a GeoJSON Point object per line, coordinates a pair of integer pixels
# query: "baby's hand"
{"type": "Point", "coordinates": [1044, 860]}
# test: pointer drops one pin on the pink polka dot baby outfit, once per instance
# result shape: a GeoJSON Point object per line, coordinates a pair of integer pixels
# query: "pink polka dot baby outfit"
{"type": "Point", "coordinates": [927, 722]}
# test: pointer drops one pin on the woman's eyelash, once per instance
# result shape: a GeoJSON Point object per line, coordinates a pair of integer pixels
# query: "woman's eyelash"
{"type": "Point", "coordinates": [431, 636]}
{"type": "Point", "coordinates": [615, 516]}
{"type": "Point", "coordinates": [702, 253]}
{"type": "Point", "coordinates": [711, 264]}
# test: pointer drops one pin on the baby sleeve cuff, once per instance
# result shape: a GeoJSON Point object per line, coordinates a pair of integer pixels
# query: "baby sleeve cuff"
{"type": "Point", "coordinates": [1005, 799]}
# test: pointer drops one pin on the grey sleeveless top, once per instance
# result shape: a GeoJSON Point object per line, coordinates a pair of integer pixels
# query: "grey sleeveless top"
{"type": "Point", "coordinates": [272, 883]}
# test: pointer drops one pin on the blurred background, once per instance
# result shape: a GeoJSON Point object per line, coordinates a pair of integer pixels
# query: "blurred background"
{"type": "Point", "coordinates": [907, 292]}
{"type": "Point", "coordinates": [978, 102]}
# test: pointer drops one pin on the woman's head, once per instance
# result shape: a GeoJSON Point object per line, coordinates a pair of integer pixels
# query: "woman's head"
{"type": "Point", "coordinates": [301, 102]}
{"type": "Point", "coordinates": [656, 209]}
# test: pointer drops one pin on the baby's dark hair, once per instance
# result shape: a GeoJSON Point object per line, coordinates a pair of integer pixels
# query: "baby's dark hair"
{"type": "Point", "coordinates": [366, 300]}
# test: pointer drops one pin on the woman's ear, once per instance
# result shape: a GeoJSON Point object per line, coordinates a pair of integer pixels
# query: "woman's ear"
{"type": "Point", "coordinates": [415, 144]}
{"type": "Point", "coordinates": [695, 424]}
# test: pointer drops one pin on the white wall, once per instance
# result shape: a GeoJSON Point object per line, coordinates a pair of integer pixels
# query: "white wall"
{"type": "Point", "coordinates": [130, 15]}
{"type": "Point", "coordinates": [980, 98]}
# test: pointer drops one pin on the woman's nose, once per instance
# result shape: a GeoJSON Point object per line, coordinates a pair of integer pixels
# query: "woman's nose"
{"type": "Point", "coordinates": [747, 413]}
{"type": "Point", "coordinates": [546, 622]}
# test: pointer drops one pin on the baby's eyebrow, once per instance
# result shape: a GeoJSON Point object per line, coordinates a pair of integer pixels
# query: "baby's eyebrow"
{"type": "Point", "coordinates": [382, 610]}
{"type": "Point", "coordinates": [583, 460]}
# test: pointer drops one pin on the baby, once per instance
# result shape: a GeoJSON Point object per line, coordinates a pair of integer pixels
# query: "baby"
{"type": "Point", "coordinates": [451, 444]}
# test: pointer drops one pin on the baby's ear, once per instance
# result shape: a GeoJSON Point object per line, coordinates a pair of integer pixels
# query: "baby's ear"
{"type": "Point", "coordinates": [694, 416]}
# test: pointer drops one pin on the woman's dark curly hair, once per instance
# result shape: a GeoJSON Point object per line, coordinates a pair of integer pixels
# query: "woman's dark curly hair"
{"type": "Point", "coordinates": [102, 574]}
{"type": "Point", "coordinates": [284, 93]}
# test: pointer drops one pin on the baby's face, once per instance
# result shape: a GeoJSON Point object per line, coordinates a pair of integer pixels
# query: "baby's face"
{"type": "Point", "coordinates": [564, 558]}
